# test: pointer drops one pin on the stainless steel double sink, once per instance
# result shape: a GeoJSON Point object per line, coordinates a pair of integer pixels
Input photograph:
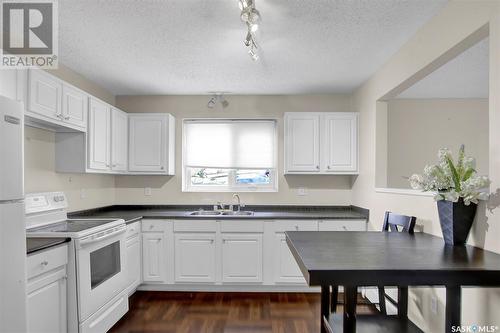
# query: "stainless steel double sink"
{"type": "Point", "coordinates": [223, 213]}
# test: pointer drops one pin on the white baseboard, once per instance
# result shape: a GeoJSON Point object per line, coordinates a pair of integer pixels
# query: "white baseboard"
{"type": "Point", "coordinates": [228, 288]}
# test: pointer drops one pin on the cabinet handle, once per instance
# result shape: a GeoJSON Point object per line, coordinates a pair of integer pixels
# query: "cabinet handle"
{"type": "Point", "coordinates": [212, 241]}
{"type": "Point", "coordinates": [317, 167]}
{"type": "Point", "coordinates": [328, 167]}
{"type": "Point", "coordinates": [161, 168]}
{"type": "Point", "coordinates": [297, 227]}
{"type": "Point", "coordinates": [66, 118]}
{"type": "Point", "coordinates": [150, 226]}
{"type": "Point", "coordinates": [44, 263]}
{"type": "Point", "coordinates": [344, 227]}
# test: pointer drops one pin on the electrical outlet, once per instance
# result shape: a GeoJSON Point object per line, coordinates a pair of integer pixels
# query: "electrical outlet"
{"type": "Point", "coordinates": [83, 193]}
{"type": "Point", "coordinates": [434, 305]}
{"type": "Point", "coordinates": [302, 191]}
{"type": "Point", "coordinates": [147, 191]}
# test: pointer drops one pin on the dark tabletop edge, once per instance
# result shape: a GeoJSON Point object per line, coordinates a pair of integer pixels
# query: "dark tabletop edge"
{"type": "Point", "coordinates": [36, 244]}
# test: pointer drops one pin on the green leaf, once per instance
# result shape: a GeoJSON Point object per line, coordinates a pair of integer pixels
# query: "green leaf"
{"type": "Point", "coordinates": [455, 176]}
{"type": "Point", "coordinates": [468, 173]}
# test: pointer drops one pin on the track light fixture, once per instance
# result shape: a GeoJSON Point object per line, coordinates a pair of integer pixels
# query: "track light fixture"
{"type": "Point", "coordinates": [251, 17]}
{"type": "Point", "coordinates": [217, 98]}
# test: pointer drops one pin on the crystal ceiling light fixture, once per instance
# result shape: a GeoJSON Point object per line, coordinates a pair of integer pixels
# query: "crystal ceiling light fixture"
{"type": "Point", "coordinates": [251, 17]}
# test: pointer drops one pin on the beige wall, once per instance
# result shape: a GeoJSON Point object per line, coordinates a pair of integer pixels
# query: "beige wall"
{"type": "Point", "coordinates": [327, 190]}
{"type": "Point", "coordinates": [418, 128]}
{"type": "Point", "coordinates": [39, 154]}
{"type": "Point", "coordinates": [459, 20]}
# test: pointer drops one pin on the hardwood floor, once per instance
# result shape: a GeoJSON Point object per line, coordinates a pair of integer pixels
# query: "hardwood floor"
{"type": "Point", "coordinates": [166, 312]}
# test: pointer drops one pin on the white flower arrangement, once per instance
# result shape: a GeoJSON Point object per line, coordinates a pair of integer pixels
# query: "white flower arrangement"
{"type": "Point", "coordinates": [452, 181]}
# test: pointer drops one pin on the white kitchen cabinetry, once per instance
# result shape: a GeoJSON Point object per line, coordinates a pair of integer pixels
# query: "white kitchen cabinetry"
{"type": "Point", "coordinates": [99, 135]}
{"type": "Point", "coordinates": [341, 143]}
{"type": "Point", "coordinates": [195, 257]}
{"type": "Point", "coordinates": [242, 258]}
{"type": "Point", "coordinates": [52, 103]}
{"type": "Point", "coordinates": [47, 291]}
{"type": "Point", "coordinates": [154, 251]}
{"type": "Point", "coordinates": [119, 140]}
{"type": "Point", "coordinates": [321, 143]}
{"type": "Point", "coordinates": [302, 142]}
{"type": "Point", "coordinates": [342, 225]}
{"type": "Point", "coordinates": [152, 143]}
{"type": "Point", "coordinates": [74, 106]}
{"type": "Point", "coordinates": [286, 269]}
{"type": "Point", "coordinates": [134, 256]}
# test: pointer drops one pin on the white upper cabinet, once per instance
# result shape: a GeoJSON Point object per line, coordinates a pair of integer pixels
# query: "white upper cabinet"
{"type": "Point", "coordinates": [341, 142]}
{"type": "Point", "coordinates": [119, 140]}
{"type": "Point", "coordinates": [74, 106]}
{"type": "Point", "coordinates": [44, 95]}
{"type": "Point", "coordinates": [151, 143]}
{"type": "Point", "coordinates": [52, 103]}
{"type": "Point", "coordinates": [99, 135]}
{"type": "Point", "coordinates": [302, 137]}
{"type": "Point", "coordinates": [321, 143]}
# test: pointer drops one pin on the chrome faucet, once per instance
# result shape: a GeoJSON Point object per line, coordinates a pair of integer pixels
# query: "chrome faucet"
{"type": "Point", "coordinates": [237, 196]}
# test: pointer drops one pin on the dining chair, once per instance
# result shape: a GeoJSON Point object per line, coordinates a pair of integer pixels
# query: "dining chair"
{"type": "Point", "coordinates": [392, 223]}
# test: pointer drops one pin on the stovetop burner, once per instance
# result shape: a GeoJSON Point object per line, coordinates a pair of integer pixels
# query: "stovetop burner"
{"type": "Point", "coordinates": [71, 226]}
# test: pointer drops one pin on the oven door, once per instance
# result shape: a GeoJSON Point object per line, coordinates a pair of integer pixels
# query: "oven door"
{"type": "Point", "coordinates": [101, 269]}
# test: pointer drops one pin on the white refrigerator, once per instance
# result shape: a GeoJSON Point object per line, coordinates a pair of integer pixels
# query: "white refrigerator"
{"type": "Point", "coordinates": [12, 223]}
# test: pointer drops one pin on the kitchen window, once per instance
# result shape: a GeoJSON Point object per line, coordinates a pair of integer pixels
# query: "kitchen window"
{"type": "Point", "coordinates": [229, 155]}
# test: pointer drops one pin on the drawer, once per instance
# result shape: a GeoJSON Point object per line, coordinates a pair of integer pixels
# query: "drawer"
{"type": "Point", "coordinates": [195, 226]}
{"type": "Point", "coordinates": [154, 225]}
{"type": "Point", "coordinates": [342, 225]}
{"type": "Point", "coordinates": [107, 316]}
{"type": "Point", "coordinates": [296, 225]}
{"type": "Point", "coordinates": [46, 261]}
{"type": "Point", "coordinates": [242, 226]}
{"type": "Point", "coordinates": [133, 229]}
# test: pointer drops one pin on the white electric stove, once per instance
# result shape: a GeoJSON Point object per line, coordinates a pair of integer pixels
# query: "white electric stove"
{"type": "Point", "coordinates": [97, 272]}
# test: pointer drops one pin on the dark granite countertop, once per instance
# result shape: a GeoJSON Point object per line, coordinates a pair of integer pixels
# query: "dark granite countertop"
{"type": "Point", "coordinates": [35, 244]}
{"type": "Point", "coordinates": [136, 212]}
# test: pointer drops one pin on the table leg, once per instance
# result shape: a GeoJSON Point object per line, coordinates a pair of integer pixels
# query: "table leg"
{"type": "Point", "coordinates": [453, 307]}
{"type": "Point", "coordinates": [325, 306]}
{"type": "Point", "coordinates": [350, 299]}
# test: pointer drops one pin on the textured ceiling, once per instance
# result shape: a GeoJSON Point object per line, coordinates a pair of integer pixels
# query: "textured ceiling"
{"type": "Point", "coordinates": [465, 76]}
{"type": "Point", "coordinates": [196, 46]}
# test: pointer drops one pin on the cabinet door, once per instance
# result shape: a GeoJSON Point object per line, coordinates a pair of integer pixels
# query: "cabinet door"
{"type": "Point", "coordinates": [119, 140]}
{"type": "Point", "coordinates": [286, 269]}
{"type": "Point", "coordinates": [44, 96]}
{"type": "Point", "coordinates": [74, 106]}
{"type": "Point", "coordinates": [242, 258]}
{"type": "Point", "coordinates": [341, 144]}
{"type": "Point", "coordinates": [134, 261]}
{"type": "Point", "coordinates": [195, 257]}
{"type": "Point", "coordinates": [99, 135]}
{"type": "Point", "coordinates": [342, 225]}
{"type": "Point", "coordinates": [154, 257]}
{"type": "Point", "coordinates": [302, 142]}
{"type": "Point", "coordinates": [47, 304]}
{"type": "Point", "coordinates": [148, 143]}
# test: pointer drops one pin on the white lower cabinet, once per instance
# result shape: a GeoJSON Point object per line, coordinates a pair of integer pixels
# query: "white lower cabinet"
{"type": "Point", "coordinates": [154, 264]}
{"type": "Point", "coordinates": [242, 258]}
{"type": "Point", "coordinates": [134, 256]}
{"type": "Point", "coordinates": [47, 290]}
{"type": "Point", "coordinates": [195, 257]}
{"type": "Point", "coordinates": [286, 269]}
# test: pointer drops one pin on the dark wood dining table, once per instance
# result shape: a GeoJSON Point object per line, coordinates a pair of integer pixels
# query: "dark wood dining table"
{"type": "Point", "coordinates": [352, 259]}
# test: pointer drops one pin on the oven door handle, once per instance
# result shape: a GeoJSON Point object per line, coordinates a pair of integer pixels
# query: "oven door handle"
{"type": "Point", "coordinates": [105, 235]}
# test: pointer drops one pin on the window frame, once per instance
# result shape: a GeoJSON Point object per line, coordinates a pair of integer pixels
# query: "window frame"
{"type": "Point", "coordinates": [232, 186]}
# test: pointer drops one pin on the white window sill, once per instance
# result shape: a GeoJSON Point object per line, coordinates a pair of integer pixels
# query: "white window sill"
{"type": "Point", "coordinates": [402, 191]}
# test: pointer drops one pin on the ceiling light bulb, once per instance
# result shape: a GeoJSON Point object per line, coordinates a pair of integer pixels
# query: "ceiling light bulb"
{"type": "Point", "coordinates": [248, 39]}
{"type": "Point", "coordinates": [254, 27]}
{"type": "Point", "coordinates": [253, 54]}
